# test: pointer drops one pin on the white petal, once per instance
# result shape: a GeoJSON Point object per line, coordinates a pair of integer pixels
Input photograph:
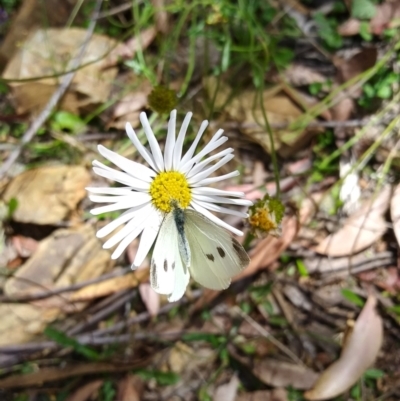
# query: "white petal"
{"type": "Point", "coordinates": [189, 154]}
{"type": "Point", "coordinates": [200, 166]}
{"type": "Point", "coordinates": [126, 236]}
{"type": "Point", "coordinates": [179, 142]}
{"type": "Point", "coordinates": [132, 168]}
{"type": "Point", "coordinates": [207, 149]}
{"type": "Point", "coordinates": [204, 174]}
{"type": "Point", "coordinates": [121, 219]}
{"type": "Point", "coordinates": [219, 199]}
{"type": "Point", "coordinates": [154, 146]}
{"type": "Point", "coordinates": [170, 142]}
{"type": "Point", "coordinates": [212, 180]}
{"type": "Point", "coordinates": [215, 219]}
{"type": "Point", "coordinates": [122, 178]}
{"type": "Point", "coordinates": [221, 209]}
{"type": "Point", "coordinates": [148, 237]}
{"type": "Point", "coordinates": [215, 191]}
{"type": "Point", "coordinates": [109, 190]}
{"type": "Point", "coordinates": [133, 201]}
{"type": "Point", "coordinates": [140, 148]}
{"type": "Point", "coordinates": [112, 199]}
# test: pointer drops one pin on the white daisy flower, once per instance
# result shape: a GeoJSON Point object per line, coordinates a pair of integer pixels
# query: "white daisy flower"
{"type": "Point", "coordinates": [150, 193]}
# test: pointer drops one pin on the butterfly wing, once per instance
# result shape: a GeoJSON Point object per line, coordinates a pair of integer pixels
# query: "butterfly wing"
{"type": "Point", "coordinates": [167, 273]}
{"type": "Point", "coordinates": [215, 255]}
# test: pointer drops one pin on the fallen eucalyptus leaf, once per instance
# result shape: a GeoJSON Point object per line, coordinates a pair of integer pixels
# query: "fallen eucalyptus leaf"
{"type": "Point", "coordinates": [359, 353]}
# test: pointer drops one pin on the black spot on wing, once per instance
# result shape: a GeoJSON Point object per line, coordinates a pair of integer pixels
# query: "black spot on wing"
{"type": "Point", "coordinates": [240, 252]}
{"type": "Point", "coordinates": [173, 265]}
{"type": "Point", "coordinates": [210, 256]}
{"type": "Point", "coordinates": [153, 274]}
{"type": "Point", "coordinates": [165, 265]}
{"type": "Point", "coordinates": [221, 252]}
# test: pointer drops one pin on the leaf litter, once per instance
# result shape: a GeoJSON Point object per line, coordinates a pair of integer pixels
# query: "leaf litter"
{"type": "Point", "coordinates": [301, 292]}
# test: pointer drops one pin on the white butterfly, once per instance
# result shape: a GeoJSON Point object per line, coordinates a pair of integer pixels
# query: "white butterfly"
{"type": "Point", "coordinates": [189, 244]}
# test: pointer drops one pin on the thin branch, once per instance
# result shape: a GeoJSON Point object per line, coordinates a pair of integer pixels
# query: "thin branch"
{"type": "Point", "coordinates": [67, 288]}
{"type": "Point", "coordinates": [57, 95]}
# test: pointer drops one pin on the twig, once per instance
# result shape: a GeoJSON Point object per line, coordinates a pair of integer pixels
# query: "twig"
{"type": "Point", "coordinates": [269, 336]}
{"type": "Point", "coordinates": [104, 312]}
{"type": "Point", "coordinates": [28, 351]}
{"type": "Point", "coordinates": [65, 82]}
{"type": "Point", "coordinates": [67, 288]}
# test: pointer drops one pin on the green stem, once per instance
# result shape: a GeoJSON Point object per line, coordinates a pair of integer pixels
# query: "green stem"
{"type": "Point", "coordinates": [271, 138]}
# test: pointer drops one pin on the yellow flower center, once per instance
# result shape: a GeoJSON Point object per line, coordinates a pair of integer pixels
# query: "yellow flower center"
{"type": "Point", "coordinates": [263, 220]}
{"type": "Point", "coordinates": [170, 187]}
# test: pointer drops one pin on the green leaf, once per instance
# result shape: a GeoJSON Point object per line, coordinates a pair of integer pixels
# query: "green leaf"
{"type": "Point", "coordinates": [365, 31]}
{"type": "Point", "coordinates": [362, 9]}
{"type": "Point", "coordinates": [374, 373]}
{"type": "Point", "coordinates": [327, 31]}
{"type": "Point", "coordinates": [12, 207]}
{"type": "Point", "coordinates": [162, 378]}
{"type": "Point", "coordinates": [65, 121]}
{"type": "Point", "coordinates": [301, 267]}
{"type": "Point", "coordinates": [66, 341]}
{"type": "Point", "coordinates": [352, 297]}
{"type": "Point", "coordinates": [384, 92]}
{"type": "Point", "coordinates": [213, 339]}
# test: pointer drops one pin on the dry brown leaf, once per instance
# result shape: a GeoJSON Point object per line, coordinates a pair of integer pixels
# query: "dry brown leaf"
{"type": "Point", "coordinates": [130, 388]}
{"type": "Point", "coordinates": [127, 50]}
{"type": "Point", "coordinates": [47, 375]}
{"type": "Point", "coordinates": [357, 64]}
{"type": "Point", "coordinates": [385, 16]}
{"type": "Point", "coordinates": [110, 286]}
{"type": "Point", "coordinates": [47, 195]}
{"type": "Point", "coordinates": [25, 246]}
{"type": "Point", "coordinates": [86, 392]}
{"type": "Point", "coordinates": [350, 27]}
{"type": "Point", "coordinates": [161, 16]}
{"type": "Point", "coordinates": [130, 106]}
{"type": "Point", "coordinates": [278, 394]}
{"type": "Point", "coordinates": [280, 108]}
{"type": "Point", "coordinates": [44, 53]}
{"type": "Point", "coordinates": [395, 212]}
{"type": "Point", "coordinates": [299, 75]}
{"type": "Point", "coordinates": [66, 257]}
{"type": "Point", "coordinates": [282, 374]}
{"type": "Point", "coordinates": [359, 353]}
{"type": "Point", "coordinates": [360, 230]}
{"type": "Point", "coordinates": [29, 17]}
{"type": "Point", "coordinates": [150, 298]}
{"type": "Point", "coordinates": [227, 391]}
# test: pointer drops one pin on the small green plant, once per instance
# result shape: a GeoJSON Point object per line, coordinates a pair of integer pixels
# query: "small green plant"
{"type": "Point", "coordinates": [162, 378]}
{"type": "Point", "coordinates": [65, 121]}
{"type": "Point", "coordinates": [352, 297]}
{"type": "Point", "coordinates": [66, 341]}
{"type": "Point", "coordinates": [327, 31]}
{"type": "Point", "coordinates": [107, 391]}
{"type": "Point", "coordinates": [380, 86]}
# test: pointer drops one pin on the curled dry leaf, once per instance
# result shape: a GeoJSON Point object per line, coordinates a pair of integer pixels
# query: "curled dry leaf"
{"type": "Point", "coordinates": [47, 195]}
{"type": "Point", "coordinates": [395, 212]}
{"type": "Point", "coordinates": [130, 388]}
{"type": "Point", "coordinates": [278, 394]}
{"type": "Point", "coordinates": [360, 230]}
{"type": "Point", "coordinates": [282, 374]}
{"type": "Point", "coordinates": [128, 49]}
{"type": "Point", "coordinates": [86, 392]}
{"type": "Point", "coordinates": [359, 353]}
{"type": "Point", "coordinates": [227, 391]}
